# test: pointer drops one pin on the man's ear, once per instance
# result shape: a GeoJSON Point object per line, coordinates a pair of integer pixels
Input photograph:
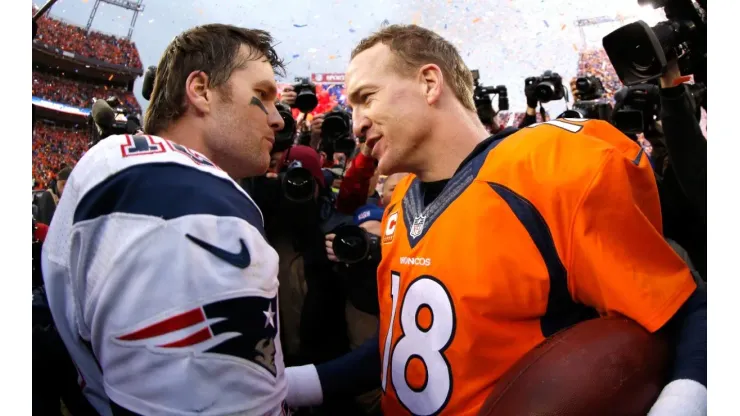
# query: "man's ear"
{"type": "Point", "coordinates": [432, 82]}
{"type": "Point", "coordinates": [197, 93]}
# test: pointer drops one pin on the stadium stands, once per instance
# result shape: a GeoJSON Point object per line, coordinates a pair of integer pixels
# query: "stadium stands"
{"type": "Point", "coordinates": [92, 45]}
{"type": "Point", "coordinates": [77, 93]}
{"type": "Point", "coordinates": [53, 148]}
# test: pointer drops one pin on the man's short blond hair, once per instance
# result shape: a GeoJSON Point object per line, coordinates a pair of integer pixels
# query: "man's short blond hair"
{"type": "Point", "coordinates": [414, 46]}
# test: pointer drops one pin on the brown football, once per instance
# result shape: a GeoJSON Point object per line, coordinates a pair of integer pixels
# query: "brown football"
{"type": "Point", "coordinates": [605, 366]}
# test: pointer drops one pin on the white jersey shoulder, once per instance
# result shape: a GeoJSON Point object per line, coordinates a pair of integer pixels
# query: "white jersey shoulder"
{"type": "Point", "coordinates": [162, 284]}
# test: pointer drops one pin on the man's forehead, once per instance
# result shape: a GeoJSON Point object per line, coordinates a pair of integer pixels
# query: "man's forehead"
{"type": "Point", "coordinates": [367, 62]}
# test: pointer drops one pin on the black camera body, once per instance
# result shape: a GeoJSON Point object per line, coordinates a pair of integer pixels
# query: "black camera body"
{"type": "Point", "coordinates": [589, 88]}
{"type": "Point", "coordinates": [285, 137]}
{"type": "Point", "coordinates": [336, 132]}
{"type": "Point", "coordinates": [306, 99]}
{"type": "Point", "coordinates": [637, 109]}
{"type": "Point", "coordinates": [598, 109]}
{"type": "Point", "coordinates": [547, 87]}
{"type": "Point", "coordinates": [640, 53]}
{"type": "Point", "coordinates": [482, 99]}
{"type": "Point", "coordinates": [352, 244]}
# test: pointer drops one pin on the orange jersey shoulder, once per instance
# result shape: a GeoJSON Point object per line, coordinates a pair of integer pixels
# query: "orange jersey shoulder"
{"type": "Point", "coordinates": [527, 238]}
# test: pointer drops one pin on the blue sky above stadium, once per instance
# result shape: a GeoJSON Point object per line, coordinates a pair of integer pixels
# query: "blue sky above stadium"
{"type": "Point", "coordinates": [507, 40]}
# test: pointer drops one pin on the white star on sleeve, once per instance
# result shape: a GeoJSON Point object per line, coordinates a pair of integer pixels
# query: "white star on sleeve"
{"type": "Point", "coordinates": [269, 314]}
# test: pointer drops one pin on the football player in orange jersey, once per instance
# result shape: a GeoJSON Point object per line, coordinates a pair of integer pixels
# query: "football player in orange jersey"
{"type": "Point", "coordinates": [495, 243]}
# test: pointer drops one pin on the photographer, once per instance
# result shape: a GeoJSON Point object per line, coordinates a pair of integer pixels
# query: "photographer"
{"type": "Point", "coordinates": [539, 90]}
{"type": "Point", "coordinates": [686, 145]}
{"type": "Point", "coordinates": [298, 207]}
{"type": "Point", "coordinates": [356, 249]}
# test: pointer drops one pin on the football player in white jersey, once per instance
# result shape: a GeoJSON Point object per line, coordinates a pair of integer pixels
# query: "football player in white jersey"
{"type": "Point", "coordinates": [158, 274]}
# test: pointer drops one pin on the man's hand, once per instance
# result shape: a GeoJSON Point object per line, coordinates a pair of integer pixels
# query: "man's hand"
{"type": "Point", "coordinates": [316, 124]}
{"type": "Point", "coordinates": [671, 76]}
{"type": "Point", "coordinates": [329, 242]}
{"type": "Point", "coordinates": [574, 90]}
{"type": "Point", "coordinates": [529, 92]}
{"type": "Point", "coordinates": [288, 96]}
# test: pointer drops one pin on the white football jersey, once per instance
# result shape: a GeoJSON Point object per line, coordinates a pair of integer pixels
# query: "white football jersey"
{"type": "Point", "coordinates": [162, 285]}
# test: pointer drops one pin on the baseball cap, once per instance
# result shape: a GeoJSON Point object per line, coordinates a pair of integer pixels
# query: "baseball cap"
{"type": "Point", "coordinates": [309, 160]}
{"type": "Point", "coordinates": [368, 212]}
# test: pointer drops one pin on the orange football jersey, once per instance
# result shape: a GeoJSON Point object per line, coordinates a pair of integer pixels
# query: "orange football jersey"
{"type": "Point", "coordinates": [554, 224]}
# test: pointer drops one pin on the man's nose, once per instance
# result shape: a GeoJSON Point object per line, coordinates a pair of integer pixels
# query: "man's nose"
{"type": "Point", "coordinates": [360, 124]}
{"type": "Point", "coordinates": [276, 120]}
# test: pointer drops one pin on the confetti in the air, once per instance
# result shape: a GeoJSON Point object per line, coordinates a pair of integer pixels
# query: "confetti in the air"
{"type": "Point", "coordinates": [297, 25]}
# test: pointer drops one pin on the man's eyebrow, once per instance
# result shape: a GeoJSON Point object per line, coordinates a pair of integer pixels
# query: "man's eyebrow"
{"type": "Point", "coordinates": [268, 86]}
{"type": "Point", "coordinates": [354, 96]}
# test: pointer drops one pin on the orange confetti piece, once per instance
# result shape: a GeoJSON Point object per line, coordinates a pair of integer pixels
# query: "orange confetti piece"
{"type": "Point", "coordinates": [575, 48]}
{"type": "Point", "coordinates": [415, 20]}
{"type": "Point", "coordinates": [563, 27]}
{"type": "Point", "coordinates": [110, 77]}
{"type": "Point", "coordinates": [476, 20]}
{"type": "Point", "coordinates": [332, 57]}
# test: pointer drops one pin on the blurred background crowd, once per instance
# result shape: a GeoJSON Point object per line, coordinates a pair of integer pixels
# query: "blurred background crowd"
{"type": "Point", "coordinates": [108, 48]}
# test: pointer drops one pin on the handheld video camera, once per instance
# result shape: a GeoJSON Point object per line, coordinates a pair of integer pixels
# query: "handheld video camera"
{"type": "Point", "coordinates": [336, 132]}
{"type": "Point", "coordinates": [482, 99]}
{"type": "Point", "coordinates": [637, 109]}
{"type": "Point", "coordinates": [547, 87]}
{"type": "Point", "coordinates": [109, 118]}
{"type": "Point", "coordinates": [352, 244]}
{"type": "Point", "coordinates": [306, 99]}
{"type": "Point", "coordinates": [640, 53]}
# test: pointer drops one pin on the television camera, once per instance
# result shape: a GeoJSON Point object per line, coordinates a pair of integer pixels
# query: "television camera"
{"type": "Point", "coordinates": [641, 53]}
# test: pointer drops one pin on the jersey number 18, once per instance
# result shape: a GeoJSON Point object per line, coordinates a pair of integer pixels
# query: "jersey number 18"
{"type": "Point", "coordinates": [426, 343]}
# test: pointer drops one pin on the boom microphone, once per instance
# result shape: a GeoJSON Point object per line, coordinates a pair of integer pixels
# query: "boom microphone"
{"type": "Point", "coordinates": [103, 115]}
{"type": "Point", "coordinates": [148, 85]}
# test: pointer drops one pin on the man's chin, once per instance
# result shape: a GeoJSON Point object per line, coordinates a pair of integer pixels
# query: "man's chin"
{"type": "Point", "coordinates": [387, 166]}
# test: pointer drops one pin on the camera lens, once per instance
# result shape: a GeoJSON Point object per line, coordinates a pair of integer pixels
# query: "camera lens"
{"type": "Point", "coordinates": [334, 125]}
{"type": "Point", "coordinates": [544, 91]}
{"type": "Point", "coordinates": [350, 244]}
{"type": "Point", "coordinates": [306, 100]}
{"type": "Point", "coordinates": [298, 184]}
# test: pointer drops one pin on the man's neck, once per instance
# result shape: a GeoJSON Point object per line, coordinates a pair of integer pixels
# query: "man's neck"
{"type": "Point", "coordinates": [448, 145]}
{"type": "Point", "coordinates": [183, 133]}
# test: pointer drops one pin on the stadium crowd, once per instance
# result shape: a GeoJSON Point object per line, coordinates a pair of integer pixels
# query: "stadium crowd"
{"type": "Point", "coordinates": [54, 148]}
{"type": "Point", "coordinates": [77, 93]}
{"type": "Point", "coordinates": [94, 45]}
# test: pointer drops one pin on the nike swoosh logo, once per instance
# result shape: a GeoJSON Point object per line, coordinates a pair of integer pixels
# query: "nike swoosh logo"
{"type": "Point", "coordinates": [639, 157]}
{"type": "Point", "coordinates": [240, 259]}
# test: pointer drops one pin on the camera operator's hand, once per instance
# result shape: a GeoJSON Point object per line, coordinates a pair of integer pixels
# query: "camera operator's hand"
{"type": "Point", "coordinates": [316, 124]}
{"type": "Point", "coordinates": [672, 76]}
{"type": "Point", "coordinates": [329, 242]}
{"type": "Point", "coordinates": [574, 90]}
{"type": "Point", "coordinates": [288, 96]}
{"type": "Point", "coordinates": [529, 92]}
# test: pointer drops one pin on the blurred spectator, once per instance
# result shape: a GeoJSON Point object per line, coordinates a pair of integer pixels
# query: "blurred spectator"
{"type": "Point", "coordinates": [79, 94]}
{"type": "Point", "coordinates": [54, 148]}
{"type": "Point", "coordinates": [95, 45]}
